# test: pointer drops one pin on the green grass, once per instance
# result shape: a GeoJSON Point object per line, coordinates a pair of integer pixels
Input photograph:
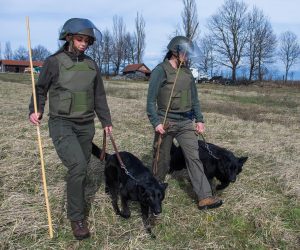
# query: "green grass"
{"type": "Point", "coordinates": [261, 209]}
{"type": "Point", "coordinates": [291, 216]}
{"type": "Point", "coordinates": [17, 77]}
{"type": "Point", "coordinates": [264, 100]}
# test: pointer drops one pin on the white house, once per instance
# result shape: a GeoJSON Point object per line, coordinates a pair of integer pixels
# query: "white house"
{"type": "Point", "coordinates": [198, 74]}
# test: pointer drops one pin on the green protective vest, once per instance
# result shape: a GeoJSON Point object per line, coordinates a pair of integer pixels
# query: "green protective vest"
{"type": "Point", "coordinates": [72, 96]}
{"type": "Point", "coordinates": [181, 99]}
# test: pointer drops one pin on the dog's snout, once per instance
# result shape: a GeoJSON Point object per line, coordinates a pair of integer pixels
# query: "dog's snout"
{"type": "Point", "coordinates": [155, 214]}
{"type": "Point", "coordinates": [156, 210]}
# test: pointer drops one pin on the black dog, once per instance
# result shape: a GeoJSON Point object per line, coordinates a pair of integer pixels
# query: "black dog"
{"type": "Point", "coordinates": [217, 162]}
{"type": "Point", "coordinates": [137, 185]}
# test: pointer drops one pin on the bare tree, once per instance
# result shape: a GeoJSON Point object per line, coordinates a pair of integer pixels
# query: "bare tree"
{"type": "Point", "coordinates": [140, 37]}
{"type": "Point", "coordinates": [261, 45]}
{"type": "Point", "coordinates": [21, 54]}
{"type": "Point", "coordinates": [107, 51]}
{"type": "Point", "coordinates": [8, 54]}
{"type": "Point", "coordinates": [229, 31]}
{"type": "Point", "coordinates": [95, 51]}
{"type": "Point", "coordinates": [130, 49]}
{"type": "Point", "coordinates": [289, 51]}
{"type": "Point", "coordinates": [119, 31]}
{"type": "Point", "coordinates": [207, 61]}
{"type": "Point", "coordinates": [40, 53]}
{"type": "Point", "coordinates": [189, 23]}
{"type": "Point", "coordinates": [190, 19]}
{"type": "Point", "coordinates": [266, 49]}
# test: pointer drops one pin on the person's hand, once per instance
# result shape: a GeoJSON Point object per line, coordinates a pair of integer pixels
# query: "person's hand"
{"type": "Point", "coordinates": [108, 129]}
{"type": "Point", "coordinates": [200, 128]}
{"type": "Point", "coordinates": [160, 129]}
{"type": "Point", "coordinates": [35, 118]}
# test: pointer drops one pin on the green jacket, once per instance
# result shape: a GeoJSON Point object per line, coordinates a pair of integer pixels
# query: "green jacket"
{"type": "Point", "coordinates": [50, 76]}
{"type": "Point", "coordinates": [157, 83]}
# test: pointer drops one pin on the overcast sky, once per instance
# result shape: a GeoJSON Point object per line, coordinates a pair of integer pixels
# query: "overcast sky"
{"type": "Point", "coordinates": [161, 17]}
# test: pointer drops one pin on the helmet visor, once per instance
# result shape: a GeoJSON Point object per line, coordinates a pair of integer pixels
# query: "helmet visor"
{"type": "Point", "coordinates": [80, 26]}
{"type": "Point", "coordinates": [190, 50]}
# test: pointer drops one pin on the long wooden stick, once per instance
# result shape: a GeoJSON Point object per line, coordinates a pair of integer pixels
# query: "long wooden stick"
{"type": "Point", "coordinates": [39, 135]}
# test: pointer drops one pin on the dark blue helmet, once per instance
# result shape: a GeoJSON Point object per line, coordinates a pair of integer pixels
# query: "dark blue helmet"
{"type": "Point", "coordinates": [80, 26]}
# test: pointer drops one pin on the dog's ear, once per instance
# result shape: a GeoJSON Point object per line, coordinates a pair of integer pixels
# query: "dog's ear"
{"type": "Point", "coordinates": [242, 160]}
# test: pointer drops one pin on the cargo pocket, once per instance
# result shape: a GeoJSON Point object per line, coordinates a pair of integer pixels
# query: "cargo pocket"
{"type": "Point", "coordinates": [64, 146]}
{"type": "Point", "coordinates": [65, 102]}
{"type": "Point", "coordinates": [82, 102]}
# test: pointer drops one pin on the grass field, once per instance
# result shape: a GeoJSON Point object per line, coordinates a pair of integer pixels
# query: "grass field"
{"type": "Point", "coordinates": [261, 210]}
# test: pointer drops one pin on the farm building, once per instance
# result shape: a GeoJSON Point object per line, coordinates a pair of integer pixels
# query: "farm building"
{"type": "Point", "coordinates": [139, 69]}
{"type": "Point", "coordinates": [17, 66]}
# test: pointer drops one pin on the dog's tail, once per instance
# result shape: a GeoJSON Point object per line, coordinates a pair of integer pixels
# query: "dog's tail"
{"type": "Point", "coordinates": [96, 151]}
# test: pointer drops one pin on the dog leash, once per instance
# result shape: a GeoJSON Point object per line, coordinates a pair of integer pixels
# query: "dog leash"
{"type": "Point", "coordinates": [159, 141]}
{"type": "Point", "coordinates": [207, 147]}
{"type": "Point", "coordinates": [102, 155]}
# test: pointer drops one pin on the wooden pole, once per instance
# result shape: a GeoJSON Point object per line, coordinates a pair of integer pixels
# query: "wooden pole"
{"type": "Point", "coordinates": [39, 135]}
{"type": "Point", "coordinates": [159, 141]}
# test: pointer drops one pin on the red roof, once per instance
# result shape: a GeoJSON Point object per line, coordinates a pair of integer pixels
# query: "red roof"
{"type": "Point", "coordinates": [21, 63]}
{"type": "Point", "coordinates": [137, 67]}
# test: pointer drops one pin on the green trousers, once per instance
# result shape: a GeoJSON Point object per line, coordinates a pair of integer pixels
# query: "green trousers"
{"type": "Point", "coordinates": [73, 144]}
{"type": "Point", "coordinates": [184, 133]}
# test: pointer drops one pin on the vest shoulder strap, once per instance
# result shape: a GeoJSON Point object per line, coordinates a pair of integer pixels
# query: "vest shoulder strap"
{"type": "Point", "coordinates": [90, 63]}
{"type": "Point", "coordinates": [168, 68]}
{"type": "Point", "coordinates": [65, 60]}
{"type": "Point", "coordinates": [164, 66]}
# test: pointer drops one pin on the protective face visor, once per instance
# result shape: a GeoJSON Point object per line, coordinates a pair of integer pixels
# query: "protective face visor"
{"type": "Point", "coordinates": [190, 50]}
{"type": "Point", "coordinates": [80, 26]}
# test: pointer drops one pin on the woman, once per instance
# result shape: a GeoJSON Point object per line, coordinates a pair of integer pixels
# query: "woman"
{"type": "Point", "coordinates": [76, 93]}
{"type": "Point", "coordinates": [179, 111]}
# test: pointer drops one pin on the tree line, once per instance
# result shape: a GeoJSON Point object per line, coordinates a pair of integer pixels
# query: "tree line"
{"type": "Point", "coordinates": [117, 48]}
{"type": "Point", "coordinates": [39, 53]}
{"type": "Point", "coordinates": [239, 39]}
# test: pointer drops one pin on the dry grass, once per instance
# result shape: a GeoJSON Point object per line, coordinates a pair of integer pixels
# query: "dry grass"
{"type": "Point", "coordinates": [261, 209]}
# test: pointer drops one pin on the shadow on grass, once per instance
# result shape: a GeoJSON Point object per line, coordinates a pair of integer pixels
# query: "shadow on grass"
{"type": "Point", "coordinates": [184, 183]}
{"type": "Point", "coordinates": [94, 180]}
